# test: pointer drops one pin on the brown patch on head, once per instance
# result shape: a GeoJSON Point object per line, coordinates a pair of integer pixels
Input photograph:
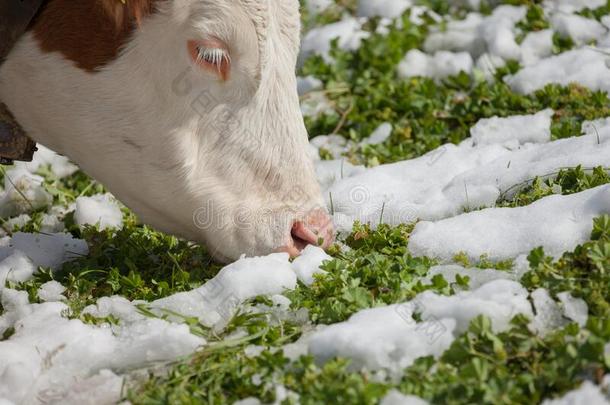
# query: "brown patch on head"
{"type": "Point", "coordinates": [88, 32]}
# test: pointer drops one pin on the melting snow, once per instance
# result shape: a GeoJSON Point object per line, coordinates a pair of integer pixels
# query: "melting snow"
{"type": "Point", "coordinates": [308, 264]}
{"type": "Point", "coordinates": [53, 358]}
{"type": "Point", "coordinates": [49, 250]}
{"type": "Point", "coordinates": [587, 394]}
{"type": "Point", "coordinates": [438, 66]}
{"type": "Point", "coordinates": [383, 8]}
{"type": "Point", "coordinates": [50, 357]}
{"type": "Point", "coordinates": [584, 66]}
{"type": "Point", "coordinates": [513, 131]}
{"type": "Point", "coordinates": [396, 398]}
{"type": "Point", "coordinates": [100, 209]}
{"type": "Point", "coordinates": [476, 277]}
{"type": "Point", "coordinates": [445, 182]}
{"type": "Point", "coordinates": [390, 338]}
{"type": "Point", "coordinates": [348, 33]}
{"type": "Point", "coordinates": [216, 301]}
{"type": "Point", "coordinates": [557, 223]}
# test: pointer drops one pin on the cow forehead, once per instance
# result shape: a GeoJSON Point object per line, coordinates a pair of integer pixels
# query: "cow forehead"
{"type": "Point", "coordinates": [72, 27]}
{"type": "Point", "coordinates": [277, 20]}
{"type": "Point", "coordinates": [258, 10]}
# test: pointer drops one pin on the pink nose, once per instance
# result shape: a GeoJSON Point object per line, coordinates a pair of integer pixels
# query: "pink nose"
{"type": "Point", "coordinates": [316, 229]}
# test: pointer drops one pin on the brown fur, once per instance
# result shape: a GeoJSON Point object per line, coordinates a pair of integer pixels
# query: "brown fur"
{"type": "Point", "coordinates": [88, 32]}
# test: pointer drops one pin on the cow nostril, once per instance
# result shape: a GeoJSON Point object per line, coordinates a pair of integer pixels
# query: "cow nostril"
{"type": "Point", "coordinates": [298, 242]}
{"type": "Point", "coordinates": [316, 230]}
{"type": "Point", "coordinates": [303, 236]}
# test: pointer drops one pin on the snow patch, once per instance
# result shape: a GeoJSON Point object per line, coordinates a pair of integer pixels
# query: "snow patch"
{"type": "Point", "coordinates": [217, 300]}
{"type": "Point", "coordinates": [51, 291]}
{"type": "Point", "coordinates": [557, 223]}
{"type": "Point", "coordinates": [348, 33]}
{"type": "Point", "coordinates": [308, 264]}
{"type": "Point", "coordinates": [390, 338]}
{"type": "Point", "coordinates": [100, 209]}
{"type": "Point", "coordinates": [492, 165]}
{"type": "Point", "coordinates": [394, 397]}
{"type": "Point", "coordinates": [50, 358]}
{"type": "Point", "coordinates": [587, 394]}
{"type": "Point", "coordinates": [438, 66]}
{"type": "Point", "coordinates": [586, 67]}
{"type": "Point", "coordinates": [515, 130]}
{"type": "Point", "coordinates": [49, 250]}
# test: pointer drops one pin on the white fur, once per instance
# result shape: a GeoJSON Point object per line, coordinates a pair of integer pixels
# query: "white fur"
{"type": "Point", "coordinates": [238, 187]}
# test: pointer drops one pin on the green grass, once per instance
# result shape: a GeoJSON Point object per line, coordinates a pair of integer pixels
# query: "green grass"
{"type": "Point", "coordinates": [564, 182]}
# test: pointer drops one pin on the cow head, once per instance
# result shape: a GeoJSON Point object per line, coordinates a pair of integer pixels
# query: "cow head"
{"type": "Point", "coordinates": [191, 117]}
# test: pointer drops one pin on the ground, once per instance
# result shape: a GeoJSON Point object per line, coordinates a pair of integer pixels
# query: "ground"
{"type": "Point", "coordinates": [464, 152]}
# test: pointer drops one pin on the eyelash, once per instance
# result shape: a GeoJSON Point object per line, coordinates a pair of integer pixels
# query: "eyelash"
{"type": "Point", "coordinates": [213, 56]}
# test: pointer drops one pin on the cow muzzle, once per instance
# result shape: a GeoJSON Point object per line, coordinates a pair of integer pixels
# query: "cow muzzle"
{"type": "Point", "coordinates": [316, 228]}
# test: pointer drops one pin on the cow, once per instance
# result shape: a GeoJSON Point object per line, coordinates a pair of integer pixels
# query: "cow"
{"type": "Point", "coordinates": [186, 110]}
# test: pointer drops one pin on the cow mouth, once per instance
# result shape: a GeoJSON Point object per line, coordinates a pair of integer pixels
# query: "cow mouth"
{"type": "Point", "coordinates": [302, 235]}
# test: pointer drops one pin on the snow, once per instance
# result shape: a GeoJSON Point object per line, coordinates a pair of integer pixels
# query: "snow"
{"type": "Point", "coordinates": [17, 267]}
{"type": "Point", "coordinates": [216, 301]}
{"type": "Point", "coordinates": [394, 397]}
{"type": "Point", "coordinates": [476, 277]}
{"type": "Point", "coordinates": [317, 6]}
{"type": "Point", "coordinates": [569, 6]}
{"type": "Point", "coordinates": [331, 171]}
{"type": "Point", "coordinates": [580, 29]}
{"type": "Point", "coordinates": [117, 306]}
{"type": "Point", "coordinates": [308, 264]}
{"type": "Point", "coordinates": [518, 128]}
{"type": "Point", "coordinates": [315, 104]}
{"type": "Point", "coordinates": [101, 209]}
{"type": "Point", "coordinates": [51, 357]}
{"type": "Point", "coordinates": [587, 394]}
{"type": "Point", "coordinates": [16, 222]}
{"type": "Point", "coordinates": [486, 66]}
{"type": "Point", "coordinates": [347, 32]}
{"type": "Point", "coordinates": [536, 45]}
{"type": "Point", "coordinates": [585, 66]}
{"type": "Point", "coordinates": [557, 223]}
{"type": "Point", "coordinates": [498, 31]}
{"type": "Point", "coordinates": [457, 35]}
{"type": "Point", "coordinates": [308, 84]}
{"type": "Point", "coordinates": [438, 66]}
{"type": "Point", "coordinates": [59, 165]}
{"type": "Point", "coordinates": [49, 250]}
{"type": "Point", "coordinates": [386, 337]}
{"type": "Point", "coordinates": [379, 135]}
{"type": "Point", "coordinates": [383, 8]}
{"type": "Point", "coordinates": [51, 224]}
{"type": "Point", "coordinates": [389, 337]}
{"type": "Point", "coordinates": [452, 179]}
{"type": "Point", "coordinates": [51, 291]}
{"type": "Point", "coordinates": [23, 192]}
{"type": "Point", "coordinates": [49, 351]}
{"type": "Point", "coordinates": [43, 332]}
{"type": "Point", "coordinates": [574, 308]}
{"type": "Point", "coordinates": [551, 315]}
{"type": "Point", "coordinates": [477, 34]}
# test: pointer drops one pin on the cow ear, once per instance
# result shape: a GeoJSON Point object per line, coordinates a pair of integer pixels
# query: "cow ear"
{"type": "Point", "coordinates": [123, 13]}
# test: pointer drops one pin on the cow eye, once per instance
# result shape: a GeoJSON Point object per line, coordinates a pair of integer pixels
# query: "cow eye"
{"type": "Point", "coordinates": [212, 55]}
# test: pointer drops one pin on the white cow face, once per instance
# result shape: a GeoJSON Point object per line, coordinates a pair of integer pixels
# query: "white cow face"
{"type": "Point", "coordinates": [247, 150]}
{"type": "Point", "coordinates": [196, 124]}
